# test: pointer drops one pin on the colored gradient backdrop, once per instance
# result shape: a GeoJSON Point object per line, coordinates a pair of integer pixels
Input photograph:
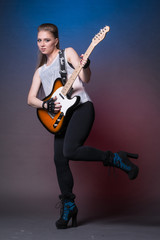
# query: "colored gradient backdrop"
{"type": "Point", "coordinates": [124, 87]}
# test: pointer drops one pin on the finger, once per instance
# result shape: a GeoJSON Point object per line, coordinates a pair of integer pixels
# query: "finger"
{"type": "Point", "coordinates": [83, 62]}
{"type": "Point", "coordinates": [56, 110]}
{"type": "Point", "coordinates": [57, 104]}
{"type": "Point", "coordinates": [54, 98]}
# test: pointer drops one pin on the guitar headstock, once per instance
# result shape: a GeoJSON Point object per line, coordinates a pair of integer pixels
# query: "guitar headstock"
{"type": "Point", "coordinates": [101, 35]}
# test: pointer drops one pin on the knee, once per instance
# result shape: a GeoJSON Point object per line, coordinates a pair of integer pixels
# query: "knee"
{"type": "Point", "coordinates": [69, 152]}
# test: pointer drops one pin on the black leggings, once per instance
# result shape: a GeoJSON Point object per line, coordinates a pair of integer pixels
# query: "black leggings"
{"type": "Point", "coordinates": [69, 146]}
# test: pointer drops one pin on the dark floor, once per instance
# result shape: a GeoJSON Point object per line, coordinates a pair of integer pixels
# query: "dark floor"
{"type": "Point", "coordinates": [41, 227]}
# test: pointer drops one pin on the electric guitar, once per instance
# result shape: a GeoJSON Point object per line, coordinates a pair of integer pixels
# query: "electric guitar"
{"type": "Point", "coordinates": [54, 122]}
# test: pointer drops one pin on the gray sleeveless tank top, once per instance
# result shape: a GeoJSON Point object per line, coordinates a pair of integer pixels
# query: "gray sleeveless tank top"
{"type": "Point", "coordinates": [48, 75]}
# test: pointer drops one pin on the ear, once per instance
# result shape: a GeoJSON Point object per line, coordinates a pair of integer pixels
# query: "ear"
{"type": "Point", "coordinates": [57, 41]}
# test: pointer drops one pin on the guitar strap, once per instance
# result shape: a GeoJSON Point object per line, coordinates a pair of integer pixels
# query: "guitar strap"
{"type": "Point", "coordinates": [63, 71]}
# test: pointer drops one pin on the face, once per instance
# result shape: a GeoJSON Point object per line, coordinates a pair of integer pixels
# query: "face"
{"type": "Point", "coordinates": [46, 42]}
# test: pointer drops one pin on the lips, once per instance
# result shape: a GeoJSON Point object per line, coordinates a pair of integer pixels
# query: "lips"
{"type": "Point", "coordinates": [43, 49]}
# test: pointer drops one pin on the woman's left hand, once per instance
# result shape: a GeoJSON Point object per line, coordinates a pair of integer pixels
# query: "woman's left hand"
{"type": "Point", "coordinates": [83, 61]}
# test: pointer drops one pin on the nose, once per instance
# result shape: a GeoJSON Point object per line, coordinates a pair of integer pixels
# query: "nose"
{"type": "Point", "coordinates": [42, 43]}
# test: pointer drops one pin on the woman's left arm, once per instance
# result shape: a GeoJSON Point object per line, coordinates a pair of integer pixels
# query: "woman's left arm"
{"type": "Point", "coordinates": [74, 59]}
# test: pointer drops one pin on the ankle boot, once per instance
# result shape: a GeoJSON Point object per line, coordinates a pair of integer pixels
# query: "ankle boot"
{"type": "Point", "coordinates": [120, 160]}
{"type": "Point", "coordinates": [69, 210]}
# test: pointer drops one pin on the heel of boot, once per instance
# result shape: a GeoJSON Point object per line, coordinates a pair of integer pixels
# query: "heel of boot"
{"type": "Point", "coordinates": [68, 212]}
{"type": "Point", "coordinates": [122, 161]}
{"type": "Point", "coordinates": [132, 155]}
{"type": "Point", "coordinates": [74, 220]}
{"type": "Point", "coordinates": [133, 173]}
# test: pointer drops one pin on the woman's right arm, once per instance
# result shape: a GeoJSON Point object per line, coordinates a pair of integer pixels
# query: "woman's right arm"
{"type": "Point", "coordinates": [32, 95]}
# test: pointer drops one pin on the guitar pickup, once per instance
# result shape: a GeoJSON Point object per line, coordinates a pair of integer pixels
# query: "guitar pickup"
{"type": "Point", "coordinates": [58, 120]}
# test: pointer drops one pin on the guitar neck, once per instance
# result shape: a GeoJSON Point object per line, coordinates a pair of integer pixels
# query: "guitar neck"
{"type": "Point", "coordinates": [71, 80]}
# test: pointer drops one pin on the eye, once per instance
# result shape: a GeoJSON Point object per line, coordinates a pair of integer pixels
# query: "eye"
{"type": "Point", "coordinates": [38, 40]}
{"type": "Point", "coordinates": [47, 40]}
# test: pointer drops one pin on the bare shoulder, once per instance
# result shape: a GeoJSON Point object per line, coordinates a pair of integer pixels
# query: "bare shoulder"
{"type": "Point", "coordinates": [70, 50]}
{"type": "Point", "coordinates": [36, 74]}
{"type": "Point", "coordinates": [36, 81]}
{"type": "Point", "coordinates": [72, 56]}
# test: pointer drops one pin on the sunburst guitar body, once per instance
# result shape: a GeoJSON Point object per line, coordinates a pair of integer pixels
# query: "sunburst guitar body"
{"type": "Point", "coordinates": [54, 123]}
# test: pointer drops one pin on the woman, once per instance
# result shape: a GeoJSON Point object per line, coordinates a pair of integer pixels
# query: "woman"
{"type": "Point", "coordinates": [69, 144]}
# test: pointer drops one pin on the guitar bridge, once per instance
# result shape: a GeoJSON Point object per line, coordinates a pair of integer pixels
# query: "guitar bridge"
{"type": "Point", "coordinates": [58, 120]}
{"type": "Point", "coordinates": [51, 115]}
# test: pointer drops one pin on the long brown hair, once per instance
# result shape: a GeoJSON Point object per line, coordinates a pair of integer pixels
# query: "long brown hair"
{"type": "Point", "coordinates": [52, 29]}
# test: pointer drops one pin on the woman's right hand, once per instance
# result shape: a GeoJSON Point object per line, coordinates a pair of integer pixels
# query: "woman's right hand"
{"type": "Point", "coordinates": [52, 105]}
{"type": "Point", "coordinates": [57, 106]}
